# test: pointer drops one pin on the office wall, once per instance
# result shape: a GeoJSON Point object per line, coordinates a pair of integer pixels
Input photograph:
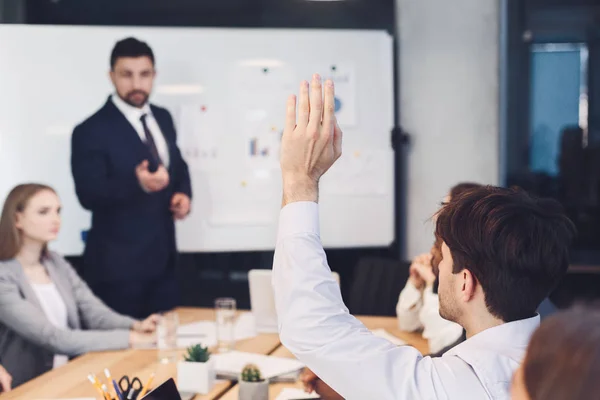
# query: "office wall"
{"type": "Point", "coordinates": [12, 11]}
{"type": "Point", "coordinates": [449, 102]}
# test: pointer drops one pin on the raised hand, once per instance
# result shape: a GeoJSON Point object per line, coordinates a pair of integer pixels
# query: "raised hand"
{"type": "Point", "coordinates": [420, 271]}
{"type": "Point", "coordinates": [311, 142]}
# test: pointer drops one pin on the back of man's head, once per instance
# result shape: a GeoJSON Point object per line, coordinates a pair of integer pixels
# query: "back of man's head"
{"type": "Point", "coordinates": [515, 245]}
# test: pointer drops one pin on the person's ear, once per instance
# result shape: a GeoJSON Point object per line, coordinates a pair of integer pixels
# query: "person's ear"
{"type": "Point", "coordinates": [469, 284]}
{"type": "Point", "coordinates": [18, 219]}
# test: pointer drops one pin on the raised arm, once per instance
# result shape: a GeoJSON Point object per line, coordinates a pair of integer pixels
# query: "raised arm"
{"type": "Point", "coordinates": [316, 327]}
{"type": "Point", "coordinates": [314, 323]}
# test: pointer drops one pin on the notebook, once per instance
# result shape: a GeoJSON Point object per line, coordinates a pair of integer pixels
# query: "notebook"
{"type": "Point", "coordinates": [230, 365]}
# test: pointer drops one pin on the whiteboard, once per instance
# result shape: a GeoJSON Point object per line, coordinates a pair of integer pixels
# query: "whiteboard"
{"type": "Point", "coordinates": [226, 89]}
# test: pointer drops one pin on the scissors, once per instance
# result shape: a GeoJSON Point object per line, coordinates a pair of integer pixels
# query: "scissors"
{"type": "Point", "coordinates": [130, 388]}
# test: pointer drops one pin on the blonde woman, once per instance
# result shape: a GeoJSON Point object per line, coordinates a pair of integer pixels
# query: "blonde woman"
{"type": "Point", "coordinates": [47, 313]}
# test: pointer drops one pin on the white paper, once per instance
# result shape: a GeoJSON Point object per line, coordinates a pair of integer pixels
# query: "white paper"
{"type": "Point", "coordinates": [382, 333]}
{"type": "Point", "coordinates": [293, 394]}
{"type": "Point", "coordinates": [232, 364]}
{"type": "Point", "coordinates": [205, 332]}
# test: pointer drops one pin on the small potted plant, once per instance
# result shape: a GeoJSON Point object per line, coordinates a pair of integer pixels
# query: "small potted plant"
{"type": "Point", "coordinates": [196, 373]}
{"type": "Point", "coordinates": [252, 385]}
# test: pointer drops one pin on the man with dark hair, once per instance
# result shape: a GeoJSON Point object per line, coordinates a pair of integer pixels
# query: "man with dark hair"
{"type": "Point", "coordinates": [130, 174]}
{"type": "Point", "coordinates": [502, 253]}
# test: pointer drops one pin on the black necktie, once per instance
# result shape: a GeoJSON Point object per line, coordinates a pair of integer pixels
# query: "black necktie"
{"type": "Point", "coordinates": [150, 142]}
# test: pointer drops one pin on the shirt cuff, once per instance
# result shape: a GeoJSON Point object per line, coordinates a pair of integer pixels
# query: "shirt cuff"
{"type": "Point", "coordinates": [409, 296]}
{"type": "Point", "coordinates": [299, 217]}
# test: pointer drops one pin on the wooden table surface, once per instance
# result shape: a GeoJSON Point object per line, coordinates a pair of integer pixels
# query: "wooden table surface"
{"type": "Point", "coordinates": [70, 381]}
{"type": "Point", "coordinates": [390, 324]}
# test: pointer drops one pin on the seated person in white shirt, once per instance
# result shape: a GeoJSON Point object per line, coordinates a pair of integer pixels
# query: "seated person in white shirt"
{"type": "Point", "coordinates": [563, 359]}
{"type": "Point", "coordinates": [418, 304]}
{"type": "Point", "coordinates": [502, 253]}
{"type": "Point", "coordinates": [47, 313]}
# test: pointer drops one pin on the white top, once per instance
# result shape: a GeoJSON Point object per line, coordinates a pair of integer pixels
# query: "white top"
{"type": "Point", "coordinates": [56, 311]}
{"type": "Point", "coordinates": [420, 309]}
{"type": "Point", "coordinates": [134, 115]}
{"type": "Point", "coordinates": [314, 324]}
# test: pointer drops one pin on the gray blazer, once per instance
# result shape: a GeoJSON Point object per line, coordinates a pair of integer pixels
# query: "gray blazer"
{"type": "Point", "coordinates": [29, 341]}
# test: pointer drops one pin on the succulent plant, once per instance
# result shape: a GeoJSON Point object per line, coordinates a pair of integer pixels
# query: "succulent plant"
{"type": "Point", "coordinates": [197, 353]}
{"type": "Point", "coordinates": [251, 373]}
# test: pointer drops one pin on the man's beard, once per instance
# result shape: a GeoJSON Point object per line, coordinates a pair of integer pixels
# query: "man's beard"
{"type": "Point", "coordinates": [448, 309]}
{"type": "Point", "coordinates": [129, 98]}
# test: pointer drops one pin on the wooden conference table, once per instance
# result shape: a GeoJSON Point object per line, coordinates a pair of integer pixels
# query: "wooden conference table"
{"type": "Point", "coordinates": [70, 381]}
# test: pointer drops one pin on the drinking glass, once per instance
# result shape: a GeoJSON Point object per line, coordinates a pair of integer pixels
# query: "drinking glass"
{"type": "Point", "coordinates": [225, 311]}
{"type": "Point", "coordinates": [166, 331]}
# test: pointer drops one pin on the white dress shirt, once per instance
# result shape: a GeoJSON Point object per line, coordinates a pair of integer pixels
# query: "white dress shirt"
{"type": "Point", "coordinates": [314, 324]}
{"type": "Point", "coordinates": [134, 115]}
{"type": "Point", "coordinates": [420, 309]}
{"type": "Point", "coordinates": [56, 311]}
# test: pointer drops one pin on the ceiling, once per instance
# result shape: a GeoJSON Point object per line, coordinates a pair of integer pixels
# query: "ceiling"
{"type": "Point", "coordinates": [347, 14]}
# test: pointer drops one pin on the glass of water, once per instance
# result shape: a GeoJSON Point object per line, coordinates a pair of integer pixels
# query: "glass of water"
{"type": "Point", "coordinates": [166, 331]}
{"type": "Point", "coordinates": [225, 310]}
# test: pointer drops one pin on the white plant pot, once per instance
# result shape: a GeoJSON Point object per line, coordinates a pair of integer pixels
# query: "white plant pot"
{"type": "Point", "coordinates": [194, 377]}
{"type": "Point", "coordinates": [254, 390]}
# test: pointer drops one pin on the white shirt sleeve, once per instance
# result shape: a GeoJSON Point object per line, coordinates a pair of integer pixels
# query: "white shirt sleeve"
{"type": "Point", "coordinates": [409, 305]}
{"type": "Point", "coordinates": [439, 332]}
{"type": "Point", "coordinates": [314, 323]}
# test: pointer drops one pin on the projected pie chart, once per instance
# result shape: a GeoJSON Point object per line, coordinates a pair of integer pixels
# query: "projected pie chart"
{"type": "Point", "coordinates": [338, 104]}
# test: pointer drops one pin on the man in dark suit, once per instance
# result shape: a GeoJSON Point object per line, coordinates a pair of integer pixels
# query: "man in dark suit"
{"type": "Point", "coordinates": [130, 174]}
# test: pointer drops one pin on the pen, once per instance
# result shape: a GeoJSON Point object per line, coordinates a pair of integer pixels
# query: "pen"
{"type": "Point", "coordinates": [118, 390]}
{"type": "Point", "coordinates": [147, 385]}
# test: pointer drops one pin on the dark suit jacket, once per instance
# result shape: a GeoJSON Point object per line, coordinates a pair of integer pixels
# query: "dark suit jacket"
{"type": "Point", "coordinates": [133, 232]}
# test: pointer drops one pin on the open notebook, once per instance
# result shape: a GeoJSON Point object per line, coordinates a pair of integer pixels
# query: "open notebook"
{"type": "Point", "coordinates": [230, 365]}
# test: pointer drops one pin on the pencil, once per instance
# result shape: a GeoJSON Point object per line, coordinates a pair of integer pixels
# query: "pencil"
{"type": "Point", "coordinates": [94, 381]}
{"type": "Point", "coordinates": [147, 385]}
{"type": "Point", "coordinates": [107, 374]}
